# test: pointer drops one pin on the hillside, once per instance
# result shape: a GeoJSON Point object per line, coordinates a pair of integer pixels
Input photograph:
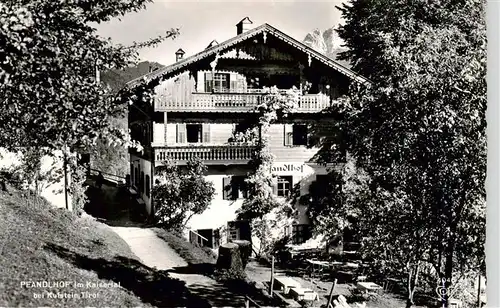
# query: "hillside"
{"type": "Point", "coordinates": [116, 79]}
{"type": "Point", "coordinates": [50, 257]}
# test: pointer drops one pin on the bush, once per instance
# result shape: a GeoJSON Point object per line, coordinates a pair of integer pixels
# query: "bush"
{"type": "Point", "coordinates": [181, 193]}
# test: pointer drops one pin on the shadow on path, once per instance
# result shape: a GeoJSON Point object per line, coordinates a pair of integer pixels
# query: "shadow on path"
{"type": "Point", "coordinates": [223, 293]}
{"type": "Point", "coordinates": [114, 206]}
{"type": "Point", "coordinates": [152, 286]}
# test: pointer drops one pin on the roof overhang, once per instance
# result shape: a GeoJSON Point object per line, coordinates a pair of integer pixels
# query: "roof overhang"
{"type": "Point", "coordinates": [181, 65]}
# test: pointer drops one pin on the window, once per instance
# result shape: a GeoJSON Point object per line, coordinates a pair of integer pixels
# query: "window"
{"type": "Point", "coordinates": [193, 133]}
{"type": "Point", "coordinates": [300, 233]}
{"type": "Point", "coordinates": [284, 186]}
{"type": "Point", "coordinates": [234, 188]}
{"type": "Point", "coordinates": [299, 134]}
{"type": "Point", "coordinates": [295, 134]}
{"type": "Point", "coordinates": [218, 82]}
{"type": "Point", "coordinates": [205, 237]}
{"type": "Point", "coordinates": [148, 186]}
{"type": "Point", "coordinates": [238, 230]}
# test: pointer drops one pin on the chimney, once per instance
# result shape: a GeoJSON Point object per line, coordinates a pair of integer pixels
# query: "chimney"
{"type": "Point", "coordinates": [179, 54]}
{"type": "Point", "coordinates": [244, 25]}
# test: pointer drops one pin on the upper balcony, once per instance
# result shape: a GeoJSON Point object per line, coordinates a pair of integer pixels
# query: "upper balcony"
{"type": "Point", "coordinates": [235, 102]}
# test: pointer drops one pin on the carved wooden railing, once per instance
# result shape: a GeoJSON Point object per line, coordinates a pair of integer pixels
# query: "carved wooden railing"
{"type": "Point", "coordinates": [237, 102]}
{"type": "Point", "coordinates": [209, 154]}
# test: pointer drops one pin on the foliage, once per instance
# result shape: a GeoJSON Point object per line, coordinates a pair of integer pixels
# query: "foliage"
{"type": "Point", "coordinates": [275, 105]}
{"type": "Point", "coordinates": [105, 157]}
{"type": "Point", "coordinates": [77, 188]}
{"type": "Point", "coordinates": [416, 134]}
{"type": "Point", "coordinates": [50, 52]}
{"type": "Point", "coordinates": [181, 193]}
{"type": "Point", "coordinates": [31, 174]}
{"type": "Point", "coordinates": [112, 159]}
{"type": "Point", "coordinates": [325, 219]}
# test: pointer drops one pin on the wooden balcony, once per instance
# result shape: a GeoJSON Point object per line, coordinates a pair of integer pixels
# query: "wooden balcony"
{"type": "Point", "coordinates": [234, 102]}
{"type": "Point", "coordinates": [209, 154]}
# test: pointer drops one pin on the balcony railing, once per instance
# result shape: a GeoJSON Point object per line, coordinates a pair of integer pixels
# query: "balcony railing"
{"type": "Point", "coordinates": [236, 102]}
{"type": "Point", "coordinates": [209, 154]}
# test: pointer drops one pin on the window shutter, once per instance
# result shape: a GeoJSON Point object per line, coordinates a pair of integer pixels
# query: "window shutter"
{"type": "Point", "coordinates": [242, 83]}
{"type": "Point", "coordinates": [226, 188]}
{"type": "Point", "coordinates": [233, 82]}
{"type": "Point", "coordinates": [158, 133]}
{"type": "Point", "coordinates": [288, 136]}
{"type": "Point", "coordinates": [206, 133]}
{"type": "Point", "coordinates": [275, 186]}
{"type": "Point", "coordinates": [216, 238]}
{"type": "Point", "coordinates": [208, 82]}
{"type": "Point", "coordinates": [200, 82]}
{"type": "Point", "coordinates": [244, 188]}
{"type": "Point", "coordinates": [181, 133]}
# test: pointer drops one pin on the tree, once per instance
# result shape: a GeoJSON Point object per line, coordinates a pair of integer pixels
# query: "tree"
{"type": "Point", "coordinates": [180, 193]}
{"type": "Point", "coordinates": [49, 97]}
{"type": "Point", "coordinates": [108, 158]}
{"type": "Point", "coordinates": [416, 133]}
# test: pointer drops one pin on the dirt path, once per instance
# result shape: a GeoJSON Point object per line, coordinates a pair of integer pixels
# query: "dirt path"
{"type": "Point", "coordinates": [154, 252]}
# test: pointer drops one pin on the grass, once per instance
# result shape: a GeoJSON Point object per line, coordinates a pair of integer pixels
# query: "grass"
{"type": "Point", "coordinates": [39, 243]}
{"type": "Point", "coordinates": [191, 253]}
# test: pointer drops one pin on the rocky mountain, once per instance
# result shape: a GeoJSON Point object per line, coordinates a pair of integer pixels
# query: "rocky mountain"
{"type": "Point", "coordinates": [327, 42]}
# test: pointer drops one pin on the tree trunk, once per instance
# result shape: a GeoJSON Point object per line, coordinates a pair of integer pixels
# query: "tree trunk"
{"type": "Point", "coordinates": [412, 283]}
{"type": "Point", "coordinates": [448, 274]}
{"type": "Point", "coordinates": [245, 250]}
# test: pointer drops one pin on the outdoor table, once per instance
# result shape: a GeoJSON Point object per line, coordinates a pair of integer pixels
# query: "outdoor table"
{"type": "Point", "coordinates": [286, 283]}
{"type": "Point", "coordinates": [303, 294]}
{"type": "Point", "coordinates": [320, 265]}
{"type": "Point", "coordinates": [351, 265]}
{"type": "Point", "coordinates": [369, 287]}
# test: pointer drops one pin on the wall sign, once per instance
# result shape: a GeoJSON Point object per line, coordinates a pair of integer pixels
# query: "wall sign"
{"type": "Point", "coordinates": [288, 168]}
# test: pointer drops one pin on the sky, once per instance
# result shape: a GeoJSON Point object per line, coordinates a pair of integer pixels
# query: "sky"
{"type": "Point", "coordinates": [202, 21]}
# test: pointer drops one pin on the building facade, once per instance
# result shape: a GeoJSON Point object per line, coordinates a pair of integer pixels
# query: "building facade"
{"type": "Point", "coordinates": [199, 103]}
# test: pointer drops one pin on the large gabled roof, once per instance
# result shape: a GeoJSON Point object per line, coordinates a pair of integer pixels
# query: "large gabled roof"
{"type": "Point", "coordinates": [180, 65]}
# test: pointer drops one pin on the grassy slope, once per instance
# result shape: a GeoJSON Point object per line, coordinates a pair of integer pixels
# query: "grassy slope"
{"type": "Point", "coordinates": [202, 261]}
{"type": "Point", "coordinates": [40, 243]}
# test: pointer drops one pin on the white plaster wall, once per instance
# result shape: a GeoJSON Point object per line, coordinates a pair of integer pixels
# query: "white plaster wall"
{"type": "Point", "coordinates": [220, 211]}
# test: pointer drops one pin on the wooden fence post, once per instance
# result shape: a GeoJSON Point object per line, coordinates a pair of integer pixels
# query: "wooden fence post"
{"type": "Point", "coordinates": [272, 277]}
{"type": "Point", "coordinates": [330, 297]}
